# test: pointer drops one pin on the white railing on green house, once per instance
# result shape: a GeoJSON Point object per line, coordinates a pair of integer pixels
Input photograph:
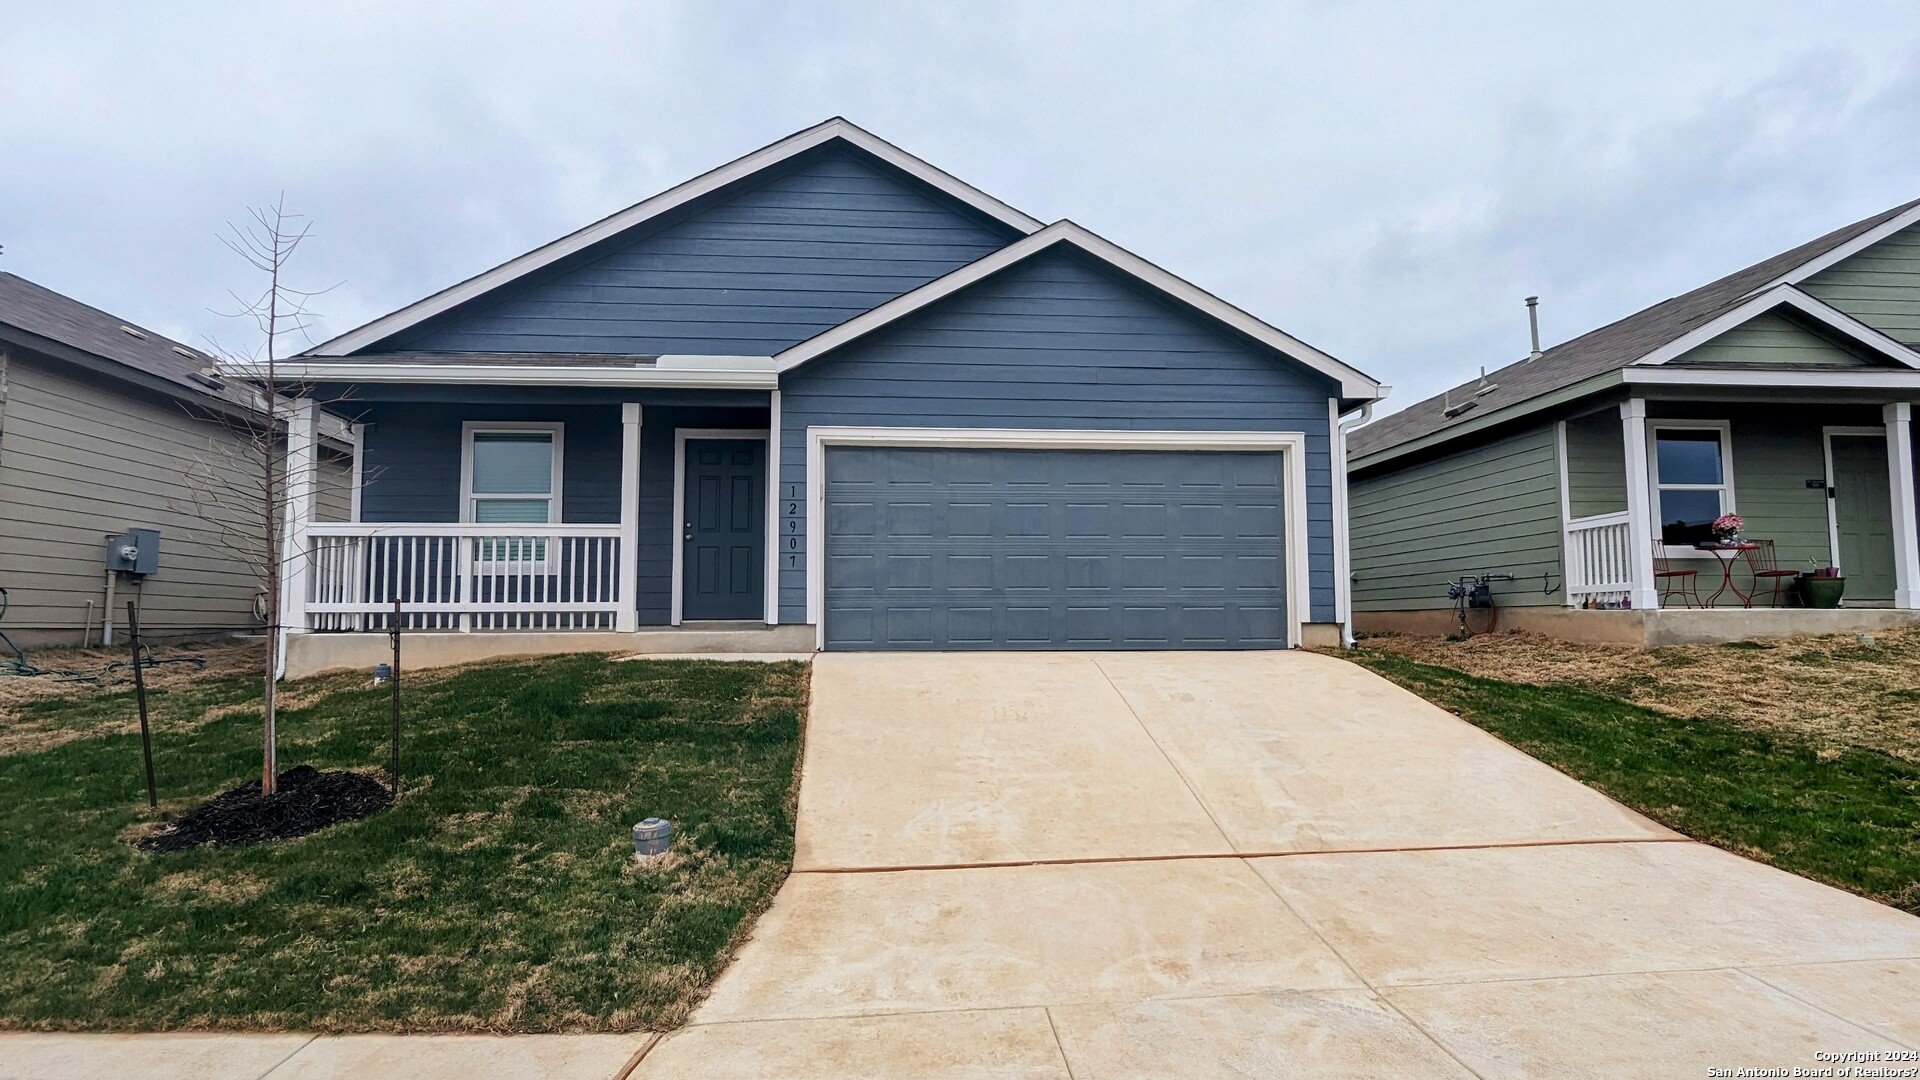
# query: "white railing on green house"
{"type": "Point", "coordinates": [1600, 561]}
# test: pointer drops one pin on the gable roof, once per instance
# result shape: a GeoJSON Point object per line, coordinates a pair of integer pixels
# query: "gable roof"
{"type": "Point", "coordinates": [57, 320]}
{"type": "Point", "coordinates": [836, 129]}
{"type": "Point", "coordinates": [1644, 334]}
{"type": "Point", "coordinates": [1354, 384]}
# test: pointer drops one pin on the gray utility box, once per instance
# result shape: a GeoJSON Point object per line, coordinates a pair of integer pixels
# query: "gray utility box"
{"type": "Point", "coordinates": [136, 551]}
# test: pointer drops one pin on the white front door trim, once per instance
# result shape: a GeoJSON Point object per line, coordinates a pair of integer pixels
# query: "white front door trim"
{"type": "Point", "coordinates": [1291, 444]}
{"type": "Point", "coordinates": [680, 437]}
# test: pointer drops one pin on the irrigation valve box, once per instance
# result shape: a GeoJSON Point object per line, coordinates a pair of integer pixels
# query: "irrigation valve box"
{"type": "Point", "coordinates": [136, 551]}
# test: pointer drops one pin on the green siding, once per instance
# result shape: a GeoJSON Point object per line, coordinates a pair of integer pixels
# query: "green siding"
{"type": "Point", "coordinates": [1880, 286]}
{"type": "Point", "coordinates": [1596, 466]}
{"type": "Point", "coordinates": [1488, 508]}
{"type": "Point", "coordinates": [1776, 450]}
{"type": "Point", "coordinates": [1772, 338]}
{"type": "Point", "coordinates": [1773, 458]}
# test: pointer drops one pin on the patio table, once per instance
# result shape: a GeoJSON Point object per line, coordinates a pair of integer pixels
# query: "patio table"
{"type": "Point", "coordinates": [1727, 554]}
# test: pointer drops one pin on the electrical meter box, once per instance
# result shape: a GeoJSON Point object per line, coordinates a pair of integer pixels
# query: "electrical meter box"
{"type": "Point", "coordinates": [136, 551]}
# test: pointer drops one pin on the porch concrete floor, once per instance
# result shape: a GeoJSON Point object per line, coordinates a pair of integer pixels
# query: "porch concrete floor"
{"type": "Point", "coordinates": [1150, 864]}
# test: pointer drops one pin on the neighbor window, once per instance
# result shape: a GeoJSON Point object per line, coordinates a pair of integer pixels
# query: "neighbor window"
{"type": "Point", "coordinates": [1692, 481]}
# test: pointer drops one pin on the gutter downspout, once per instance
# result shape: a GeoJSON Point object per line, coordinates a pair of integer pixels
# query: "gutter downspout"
{"type": "Point", "coordinates": [1342, 549]}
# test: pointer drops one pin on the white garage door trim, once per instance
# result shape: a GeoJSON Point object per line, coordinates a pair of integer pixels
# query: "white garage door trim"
{"type": "Point", "coordinates": [1292, 445]}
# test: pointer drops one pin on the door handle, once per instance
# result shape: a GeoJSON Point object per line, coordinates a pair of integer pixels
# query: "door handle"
{"type": "Point", "coordinates": [688, 534]}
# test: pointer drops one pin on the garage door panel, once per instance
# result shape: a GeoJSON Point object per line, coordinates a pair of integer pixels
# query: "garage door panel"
{"type": "Point", "coordinates": [976, 548]}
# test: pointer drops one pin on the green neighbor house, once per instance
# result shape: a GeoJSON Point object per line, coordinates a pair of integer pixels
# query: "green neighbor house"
{"type": "Point", "coordinates": [1580, 479]}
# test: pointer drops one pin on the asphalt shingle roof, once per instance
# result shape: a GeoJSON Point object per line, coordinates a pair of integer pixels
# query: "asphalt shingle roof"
{"type": "Point", "coordinates": [1596, 352]}
{"type": "Point", "coordinates": [40, 311]}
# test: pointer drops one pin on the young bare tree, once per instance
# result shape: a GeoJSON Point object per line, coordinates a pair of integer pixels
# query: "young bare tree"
{"type": "Point", "coordinates": [242, 488]}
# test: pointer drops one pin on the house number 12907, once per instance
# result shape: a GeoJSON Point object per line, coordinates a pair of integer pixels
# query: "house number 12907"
{"type": "Point", "coordinates": [790, 526]}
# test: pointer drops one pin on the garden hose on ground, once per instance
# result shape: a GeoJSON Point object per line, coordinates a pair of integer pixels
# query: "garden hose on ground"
{"type": "Point", "coordinates": [22, 666]}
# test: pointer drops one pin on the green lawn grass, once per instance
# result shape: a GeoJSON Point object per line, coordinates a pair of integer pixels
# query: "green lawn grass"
{"type": "Point", "coordinates": [1848, 817]}
{"type": "Point", "coordinates": [500, 894]}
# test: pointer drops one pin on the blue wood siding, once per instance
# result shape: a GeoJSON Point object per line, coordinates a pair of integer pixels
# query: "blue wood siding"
{"type": "Point", "coordinates": [1058, 342]}
{"type": "Point", "coordinates": [413, 466]}
{"type": "Point", "coordinates": [766, 268]}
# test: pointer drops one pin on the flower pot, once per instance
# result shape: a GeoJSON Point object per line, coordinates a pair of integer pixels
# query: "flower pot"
{"type": "Point", "coordinates": [1823, 592]}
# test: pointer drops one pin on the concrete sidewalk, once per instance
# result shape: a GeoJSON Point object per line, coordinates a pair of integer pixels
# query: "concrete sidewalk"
{"type": "Point", "coordinates": [1260, 864]}
{"type": "Point", "coordinates": [311, 1057]}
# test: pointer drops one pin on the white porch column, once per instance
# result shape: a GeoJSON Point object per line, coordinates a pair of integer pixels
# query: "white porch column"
{"type": "Point", "coordinates": [359, 469]}
{"type": "Point", "coordinates": [301, 495]}
{"type": "Point", "coordinates": [1906, 532]}
{"type": "Point", "coordinates": [627, 620]}
{"type": "Point", "coordinates": [772, 583]}
{"type": "Point", "coordinates": [1633, 430]}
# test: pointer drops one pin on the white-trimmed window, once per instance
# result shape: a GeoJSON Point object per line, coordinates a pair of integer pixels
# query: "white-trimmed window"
{"type": "Point", "coordinates": [1692, 466]}
{"type": "Point", "coordinates": [510, 474]}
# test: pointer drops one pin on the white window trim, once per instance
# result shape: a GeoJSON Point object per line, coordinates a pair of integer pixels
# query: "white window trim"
{"type": "Point", "coordinates": [1728, 505]}
{"type": "Point", "coordinates": [1291, 444]}
{"type": "Point", "coordinates": [470, 428]}
{"type": "Point", "coordinates": [680, 437]}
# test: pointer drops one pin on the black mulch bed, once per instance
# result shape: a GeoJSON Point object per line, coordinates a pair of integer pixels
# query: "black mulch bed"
{"type": "Point", "coordinates": [307, 800]}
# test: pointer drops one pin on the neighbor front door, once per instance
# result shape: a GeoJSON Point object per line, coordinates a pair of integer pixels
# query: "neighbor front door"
{"type": "Point", "coordinates": [723, 530]}
{"type": "Point", "coordinates": [1862, 514]}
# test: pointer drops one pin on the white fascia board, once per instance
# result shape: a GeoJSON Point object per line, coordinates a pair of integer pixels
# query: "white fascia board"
{"type": "Point", "coordinates": [1838, 379]}
{"type": "Point", "coordinates": [720, 377]}
{"type": "Point", "coordinates": [1847, 250]}
{"type": "Point", "coordinates": [1784, 296]}
{"type": "Point", "coordinates": [1354, 384]}
{"type": "Point", "coordinates": [705, 184]}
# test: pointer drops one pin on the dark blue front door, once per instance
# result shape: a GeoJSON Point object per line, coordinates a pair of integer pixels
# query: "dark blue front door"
{"type": "Point", "coordinates": [724, 532]}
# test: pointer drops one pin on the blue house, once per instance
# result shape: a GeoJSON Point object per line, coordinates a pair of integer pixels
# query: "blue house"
{"type": "Point", "coordinates": [824, 396]}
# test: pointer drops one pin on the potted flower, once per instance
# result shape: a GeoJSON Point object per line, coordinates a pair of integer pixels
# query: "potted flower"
{"type": "Point", "coordinates": [1726, 528]}
{"type": "Point", "coordinates": [1823, 588]}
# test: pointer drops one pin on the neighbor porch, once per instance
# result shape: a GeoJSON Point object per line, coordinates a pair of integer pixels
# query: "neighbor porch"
{"type": "Point", "coordinates": [1825, 485]}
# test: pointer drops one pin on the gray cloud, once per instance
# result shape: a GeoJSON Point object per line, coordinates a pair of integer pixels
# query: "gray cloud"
{"type": "Point", "coordinates": [1384, 181]}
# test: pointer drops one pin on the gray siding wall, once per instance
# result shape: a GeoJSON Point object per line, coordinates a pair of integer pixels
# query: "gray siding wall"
{"type": "Point", "coordinates": [1771, 338]}
{"type": "Point", "coordinates": [765, 269]}
{"type": "Point", "coordinates": [413, 468]}
{"type": "Point", "coordinates": [1880, 286]}
{"type": "Point", "coordinates": [82, 458]}
{"type": "Point", "coordinates": [1596, 465]}
{"type": "Point", "coordinates": [1057, 343]}
{"type": "Point", "coordinates": [1490, 508]}
{"type": "Point", "coordinates": [334, 483]}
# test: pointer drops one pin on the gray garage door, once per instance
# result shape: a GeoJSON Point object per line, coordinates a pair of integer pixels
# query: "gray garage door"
{"type": "Point", "coordinates": [1054, 549]}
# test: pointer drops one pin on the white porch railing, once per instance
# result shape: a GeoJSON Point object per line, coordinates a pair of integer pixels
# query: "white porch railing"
{"type": "Point", "coordinates": [462, 577]}
{"type": "Point", "coordinates": [1600, 560]}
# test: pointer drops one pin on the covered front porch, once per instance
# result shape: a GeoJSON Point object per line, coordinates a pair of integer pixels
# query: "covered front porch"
{"type": "Point", "coordinates": [511, 520]}
{"type": "Point", "coordinates": [1823, 486]}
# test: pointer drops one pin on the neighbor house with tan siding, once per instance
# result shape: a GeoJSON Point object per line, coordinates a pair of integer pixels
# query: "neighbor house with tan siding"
{"type": "Point", "coordinates": [106, 426]}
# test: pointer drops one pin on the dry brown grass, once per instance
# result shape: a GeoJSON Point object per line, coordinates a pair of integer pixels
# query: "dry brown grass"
{"type": "Point", "coordinates": [1839, 688]}
{"type": "Point", "coordinates": [222, 660]}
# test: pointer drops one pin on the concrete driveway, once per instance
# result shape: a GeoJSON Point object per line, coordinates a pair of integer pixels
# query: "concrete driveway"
{"type": "Point", "coordinates": [1105, 866]}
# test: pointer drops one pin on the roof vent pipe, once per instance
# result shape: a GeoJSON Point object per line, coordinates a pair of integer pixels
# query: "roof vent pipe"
{"type": "Point", "coordinates": [1533, 324]}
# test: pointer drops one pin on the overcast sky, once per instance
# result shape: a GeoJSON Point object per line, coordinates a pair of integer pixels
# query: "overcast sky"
{"type": "Point", "coordinates": [1384, 181]}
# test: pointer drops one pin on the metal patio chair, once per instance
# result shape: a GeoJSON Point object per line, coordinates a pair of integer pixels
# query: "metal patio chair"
{"type": "Point", "coordinates": [1764, 564]}
{"type": "Point", "coordinates": [1683, 583]}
